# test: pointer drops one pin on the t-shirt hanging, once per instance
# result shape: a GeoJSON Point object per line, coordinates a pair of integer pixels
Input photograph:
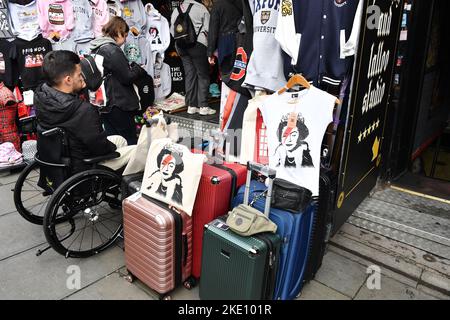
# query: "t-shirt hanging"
{"type": "Point", "coordinates": [296, 123]}
{"type": "Point", "coordinates": [265, 68]}
{"type": "Point", "coordinates": [7, 53]}
{"type": "Point", "coordinates": [56, 16]}
{"type": "Point", "coordinates": [24, 20]}
{"type": "Point", "coordinates": [100, 16]}
{"type": "Point", "coordinates": [83, 21]}
{"type": "Point", "coordinates": [30, 56]}
{"type": "Point", "coordinates": [134, 15]}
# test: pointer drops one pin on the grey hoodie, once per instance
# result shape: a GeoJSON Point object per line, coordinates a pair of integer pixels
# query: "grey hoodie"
{"type": "Point", "coordinates": [199, 16]}
{"type": "Point", "coordinates": [83, 21]}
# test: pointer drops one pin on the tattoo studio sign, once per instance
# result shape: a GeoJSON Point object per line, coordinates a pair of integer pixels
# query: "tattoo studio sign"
{"type": "Point", "coordinates": [5, 27]}
{"type": "Point", "coordinates": [369, 99]}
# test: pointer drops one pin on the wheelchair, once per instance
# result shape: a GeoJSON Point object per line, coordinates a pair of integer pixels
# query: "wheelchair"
{"type": "Point", "coordinates": [81, 212]}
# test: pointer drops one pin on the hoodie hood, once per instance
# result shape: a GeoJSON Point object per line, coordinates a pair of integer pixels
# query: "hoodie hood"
{"type": "Point", "coordinates": [96, 43]}
{"type": "Point", "coordinates": [54, 107]}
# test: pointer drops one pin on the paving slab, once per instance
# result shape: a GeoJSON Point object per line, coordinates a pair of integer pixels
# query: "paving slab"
{"type": "Point", "coordinates": [341, 274]}
{"type": "Point", "coordinates": [437, 280]}
{"type": "Point", "coordinates": [433, 293]}
{"type": "Point", "coordinates": [392, 290]}
{"type": "Point", "coordinates": [366, 263]}
{"type": "Point", "coordinates": [18, 235]}
{"type": "Point", "coordinates": [396, 263]}
{"type": "Point", "coordinates": [111, 287]}
{"type": "Point", "coordinates": [8, 178]}
{"type": "Point", "coordinates": [45, 277]}
{"type": "Point", "coordinates": [6, 200]}
{"type": "Point", "coordinates": [316, 291]}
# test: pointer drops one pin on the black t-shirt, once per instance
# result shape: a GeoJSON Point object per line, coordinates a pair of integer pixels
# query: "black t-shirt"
{"type": "Point", "coordinates": [30, 56]}
{"type": "Point", "coordinates": [8, 74]}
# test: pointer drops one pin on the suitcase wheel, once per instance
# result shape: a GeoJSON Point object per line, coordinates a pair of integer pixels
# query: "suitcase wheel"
{"type": "Point", "coordinates": [129, 277]}
{"type": "Point", "coordinates": [190, 283]}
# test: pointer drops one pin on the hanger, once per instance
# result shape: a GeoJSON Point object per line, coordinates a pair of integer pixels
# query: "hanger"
{"type": "Point", "coordinates": [298, 79]}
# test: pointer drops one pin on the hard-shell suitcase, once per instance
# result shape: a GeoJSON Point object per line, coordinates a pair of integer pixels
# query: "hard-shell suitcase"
{"type": "Point", "coordinates": [218, 185]}
{"type": "Point", "coordinates": [236, 267]}
{"type": "Point", "coordinates": [295, 230]}
{"type": "Point", "coordinates": [323, 223]}
{"type": "Point", "coordinates": [158, 244]}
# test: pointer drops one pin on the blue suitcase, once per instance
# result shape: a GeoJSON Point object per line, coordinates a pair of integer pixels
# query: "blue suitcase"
{"type": "Point", "coordinates": [295, 231]}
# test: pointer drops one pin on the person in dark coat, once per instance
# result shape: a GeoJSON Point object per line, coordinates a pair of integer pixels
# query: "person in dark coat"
{"type": "Point", "coordinates": [122, 100]}
{"type": "Point", "coordinates": [223, 27]}
{"type": "Point", "coordinates": [58, 105]}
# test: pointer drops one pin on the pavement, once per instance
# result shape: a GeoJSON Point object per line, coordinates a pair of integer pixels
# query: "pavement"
{"type": "Point", "coordinates": [349, 269]}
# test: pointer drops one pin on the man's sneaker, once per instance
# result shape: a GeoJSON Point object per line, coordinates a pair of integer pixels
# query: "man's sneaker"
{"type": "Point", "coordinates": [192, 110]}
{"type": "Point", "coordinates": [204, 111]}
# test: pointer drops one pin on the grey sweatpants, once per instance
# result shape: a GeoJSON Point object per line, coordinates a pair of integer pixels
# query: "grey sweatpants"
{"type": "Point", "coordinates": [196, 79]}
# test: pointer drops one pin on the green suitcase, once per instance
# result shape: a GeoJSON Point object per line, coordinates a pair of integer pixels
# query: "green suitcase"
{"type": "Point", "coordinates": [236, 267]}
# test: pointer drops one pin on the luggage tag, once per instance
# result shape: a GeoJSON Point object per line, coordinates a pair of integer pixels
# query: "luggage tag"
{"type": "Point", "coordinates": [220, 225]}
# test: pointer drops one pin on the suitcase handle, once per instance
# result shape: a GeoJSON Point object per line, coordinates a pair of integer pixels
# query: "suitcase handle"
{"type": "Point", "coordinates": [266, 171]}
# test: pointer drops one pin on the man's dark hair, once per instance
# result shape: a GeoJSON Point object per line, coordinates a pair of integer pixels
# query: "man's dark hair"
{"type": "Point", "coordinates": [59, 64]}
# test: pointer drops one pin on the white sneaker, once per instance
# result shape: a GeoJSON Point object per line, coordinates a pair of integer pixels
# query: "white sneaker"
{"type": "Point", "coordinates": [205, 111]}
{"type": "Point", "coordinates": [192, 110]}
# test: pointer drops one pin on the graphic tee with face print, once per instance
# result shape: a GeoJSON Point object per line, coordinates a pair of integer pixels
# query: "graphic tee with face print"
{"type": "Point", "coordinates": [296, 123]}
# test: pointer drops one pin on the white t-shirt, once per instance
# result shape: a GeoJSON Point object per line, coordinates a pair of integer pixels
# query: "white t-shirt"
{"type": "Point", "coordinates": [296, 123]}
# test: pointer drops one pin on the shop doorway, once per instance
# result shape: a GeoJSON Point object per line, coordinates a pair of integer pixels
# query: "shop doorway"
{"type": "Point", "coordinates": [411, 202]}
{"type": "Point", "coordinates": [420, 149]}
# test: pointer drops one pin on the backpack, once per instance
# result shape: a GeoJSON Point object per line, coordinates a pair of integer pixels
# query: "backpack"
{"type": "Point", "coordinates": [184, 31]}
{"type": "Point", "coordinates": [92, 70]}
{"type": "Point", "coordinates": [93, 74]}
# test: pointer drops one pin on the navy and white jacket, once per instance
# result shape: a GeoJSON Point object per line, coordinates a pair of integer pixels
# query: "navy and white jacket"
{"type": "Point", "coordinates": [319, 37]}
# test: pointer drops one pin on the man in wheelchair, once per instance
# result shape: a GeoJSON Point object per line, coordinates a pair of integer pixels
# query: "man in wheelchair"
{"type": "Point", "coordinates": [77, 131]}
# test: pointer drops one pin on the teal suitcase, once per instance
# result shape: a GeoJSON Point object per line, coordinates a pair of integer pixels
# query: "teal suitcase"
{"type": "Point", "coordinates": [236, 267]}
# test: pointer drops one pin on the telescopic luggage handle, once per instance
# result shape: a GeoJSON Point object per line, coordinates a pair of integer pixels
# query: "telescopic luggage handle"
{"type": "Point", "coordinates": [266, 171]}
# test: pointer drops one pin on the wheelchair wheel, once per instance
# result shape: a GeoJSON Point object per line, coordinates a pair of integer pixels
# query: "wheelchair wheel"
{"type": "Point", "coordinates": [30, 199]}
{"type": "Point", "coordinates": [84, 215]}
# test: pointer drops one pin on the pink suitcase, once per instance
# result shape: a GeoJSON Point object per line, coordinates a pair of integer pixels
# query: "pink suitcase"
{"type": "Point", "coordinates": [158, 244]}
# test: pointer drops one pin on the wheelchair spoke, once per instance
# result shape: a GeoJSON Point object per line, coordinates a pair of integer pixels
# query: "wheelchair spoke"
{"type": "Point", "coordinates": [99, 233]}
{"type": "Point", "coordinates": [82, 237]}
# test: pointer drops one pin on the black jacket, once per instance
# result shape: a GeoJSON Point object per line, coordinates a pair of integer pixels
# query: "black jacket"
{"type": "Point", "coordinates": [120, 75]}
{"type": "Point", "coordinates": [225, 17]}
{"type": "Point", "coordinates": [79, 119]}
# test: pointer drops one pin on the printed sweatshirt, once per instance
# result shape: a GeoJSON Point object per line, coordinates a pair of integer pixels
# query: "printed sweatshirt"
{"type": "Point", "coordinates": [157, 31]}
{"type": "Point", "coordinates": [83, 31]}
{"type": "Point", "coordinates": [56, 16]}
{"type": "Point", "coordinates": [24, 20]}
{"type": "Point", "coordinates": [134, 14]}
{"type": "Point", "coordinates": [100, 16]}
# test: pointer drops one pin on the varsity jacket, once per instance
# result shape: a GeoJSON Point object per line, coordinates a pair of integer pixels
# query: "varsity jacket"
{"type": "Point", "coordinates": [319, 37]}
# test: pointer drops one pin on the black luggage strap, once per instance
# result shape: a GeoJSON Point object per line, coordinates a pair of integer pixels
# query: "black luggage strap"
{"type": "Point", "coordinates": [233, 181]}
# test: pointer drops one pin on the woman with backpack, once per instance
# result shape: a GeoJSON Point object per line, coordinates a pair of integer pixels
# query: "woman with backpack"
{"type": "Point", "coordinates": [189, 27]}
{"type": "Point", "coordinates": [122, 100]}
